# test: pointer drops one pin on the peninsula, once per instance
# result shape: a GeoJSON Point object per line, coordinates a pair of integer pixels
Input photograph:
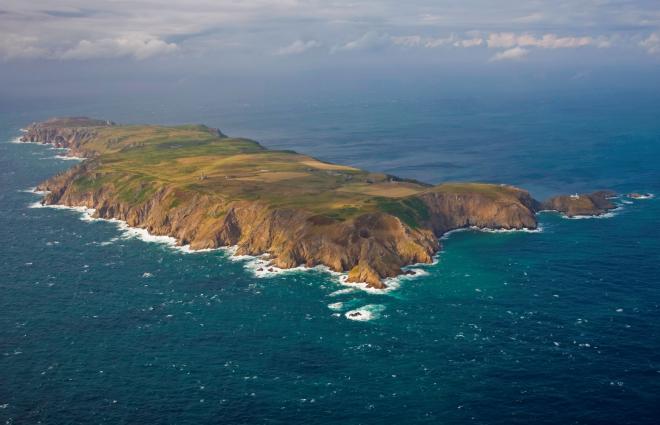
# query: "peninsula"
{"type": "Point", "coordinates": [209, 190]}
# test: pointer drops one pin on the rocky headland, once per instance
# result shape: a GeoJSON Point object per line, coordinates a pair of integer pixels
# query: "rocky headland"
{"type": "Point", "coordinates": [208, 190]}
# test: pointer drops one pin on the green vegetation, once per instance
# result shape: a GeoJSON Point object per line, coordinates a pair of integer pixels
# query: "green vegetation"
{"type": "Point", "coordinates": [411, 211]}
{"type": "Point", "coordinates": [137, 160]}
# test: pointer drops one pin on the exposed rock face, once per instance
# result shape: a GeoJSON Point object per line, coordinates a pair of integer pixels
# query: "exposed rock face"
{"type": "Point", "coordinates": [371, 245]}
{"type": "Point", "coordinates": [596, 203]}
{"type": "Point", "coordinates": [513, 209]}
{"type": "Point", "coordinates": [70, 133]}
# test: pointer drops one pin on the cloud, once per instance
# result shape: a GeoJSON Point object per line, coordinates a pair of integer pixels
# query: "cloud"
{"type": "Point", "coordinates": [136, 46]}
{"type": "Point", "coordinates": [298, 47]}
{"type": "Point", "coordinates": [651, 43]}
{"type": "Point", "coordinates": [514, 53]}
{"type": "Point", "coordinates": [419, 41]}
{"type": "Point", "coordinates": [76, 29]}
{"type": "Point", "coordinates": [408, 40]}
{"type": "Point", "coordinates": [502, 40]}
{"type": "Point", "coordinates": [470, 42]}
{"type": "Point", "coordinates": [432, 43]}
{"type": "Point", "coordinates": [508, 40]}
{"type": "Point", "coordinates": [14, 46]}
{"type": "Point", "coordinates": [369, 41]}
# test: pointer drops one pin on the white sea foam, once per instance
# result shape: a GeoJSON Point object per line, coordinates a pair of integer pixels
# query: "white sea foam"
{"type": "Point", "coordinates": [539, 229]}
{"type": "Point", "coordinates": [17, 140]}
{"type": "Point", "coordinates": [127, 232]}
{"type": "Point", "coordinates": [644, 196]}
{"type": "Point", "coordinates": [365, 313]}
{"type": "Point", "coordinates": [391, 284]}
{"type": "Point", "coordinates": [68, 158]}
{"type": "Point", "coordinates": [612, 213]}
{"type": "Point", "coordinates": [83, 210]}
{"type": "Point", "coordinates": [338, 306]}
{"type": "Point", "coordinates": [342, 292]}
{"type": "Point", "coordinates": [260, 266]}
{"type": "Point", "coordinates": [446, 235]}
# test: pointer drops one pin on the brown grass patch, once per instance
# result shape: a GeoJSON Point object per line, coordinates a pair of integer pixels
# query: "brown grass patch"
{"type": "Point", "coordinates": [326, 166]}
{"type": "Point", "coordinates": [274, 176]}
{"type": "Point", "coordinates": [387, 190]}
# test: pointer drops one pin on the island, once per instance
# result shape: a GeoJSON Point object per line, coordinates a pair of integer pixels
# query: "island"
{"type": "Point", "coordinates": [208, 190]}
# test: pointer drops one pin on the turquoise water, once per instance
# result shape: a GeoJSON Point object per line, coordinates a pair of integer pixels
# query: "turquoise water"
{"type": "Point", "coordinates": [556, 327]}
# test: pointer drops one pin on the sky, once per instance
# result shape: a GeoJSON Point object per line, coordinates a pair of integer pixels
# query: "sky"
{"type": "Point", "coordinates": [147, 42]}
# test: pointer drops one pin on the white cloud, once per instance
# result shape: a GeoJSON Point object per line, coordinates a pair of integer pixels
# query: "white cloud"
{"type": "Point", "coordinates": [136, 46]}
{"type": "Point", "coordinates": [13, 46]}
{"type": "Point", "coordinates": [514, 53]}
{"type": "Point", "coordinates": [408, 40]}
{"type": "Point", "coordinates": [99, 28]}
{"type": "Point", "coordinates": [651, 43]}
{"type": "Point", "coordinates": [370, 40]}
{"type": "Point", "coordinates": [507, 40]}
{"type": "Point", "coordinates": [432, 43]}
{"type": "Point", "coordinates": [298, 47]}
{"type": "Point", "coordinates": [419, 41]}
{"type": "Point", "coordinates": [470, 42]}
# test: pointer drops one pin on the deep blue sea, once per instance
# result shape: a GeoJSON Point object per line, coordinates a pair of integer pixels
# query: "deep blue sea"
{"type": "Point", "coordinates": [556, 327]}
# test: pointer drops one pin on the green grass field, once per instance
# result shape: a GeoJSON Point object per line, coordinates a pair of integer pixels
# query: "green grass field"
{"type": "Point", "coordinates": [138, 160]}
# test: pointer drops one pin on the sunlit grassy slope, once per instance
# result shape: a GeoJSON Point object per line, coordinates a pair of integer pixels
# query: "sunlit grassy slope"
{"type": "Point", "coordinates": [194, 159]}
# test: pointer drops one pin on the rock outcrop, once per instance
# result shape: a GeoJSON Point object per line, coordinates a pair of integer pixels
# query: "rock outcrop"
{"type": "Point", "coordinates": [586, 204]}
{"type": "Point", "coordinates": [70, 133]}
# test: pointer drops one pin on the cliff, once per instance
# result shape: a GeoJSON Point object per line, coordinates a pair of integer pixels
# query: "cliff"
{"type": "Point", "coordinates": [208, 190]}
{"type": "Point", "coordinates": [596, 203]}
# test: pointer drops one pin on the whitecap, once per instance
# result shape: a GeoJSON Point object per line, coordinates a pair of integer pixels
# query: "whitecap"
{"type": "Point", "coordinates": [68, 158]}
{"type": "Point", "coordinates": [86, 212]}
{"type": "Point", "coordinates": [610, 214]}
{"type": "Point", "coordinates": [129, 232]}
{"type": "Point", "coordinates": [645, 196]}
{"type": "Point", "coordinates": [538, 229]}
{"type": "Point", "coordinates": [342, 292]}
{"type": "Point", "coordinates": [338, 306]}
{"type": "Point", "coordinates": [365, 313]}
{"type": "Point", "coordinates": [186, 249]}
{"type": "Point", "coordinates": [447, 234]}
{"type": "Point", "coordinates": [260, 266]}
{"type": "Point", "coordinates": [391, 284]}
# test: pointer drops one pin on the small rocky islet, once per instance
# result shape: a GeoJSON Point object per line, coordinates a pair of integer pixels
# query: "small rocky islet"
{"type": "Point", "coordinates": [209, 190]}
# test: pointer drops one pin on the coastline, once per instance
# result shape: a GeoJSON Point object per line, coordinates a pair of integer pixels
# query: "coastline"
{"type": "Point", "coordinates": [263, 265]}
{"type": "Point", "coordinates": [259, 265]}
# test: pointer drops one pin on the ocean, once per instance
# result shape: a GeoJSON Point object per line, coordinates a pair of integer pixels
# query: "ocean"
{"type": "Point", "coordinates": [99, 324]}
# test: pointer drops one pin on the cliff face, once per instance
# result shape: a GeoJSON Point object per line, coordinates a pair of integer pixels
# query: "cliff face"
{"type": "Point", "coordinates": [209, 191]}
{"type": "Point", "coordinates": [596, 203]}
{"type": "Point", "coordinates": [70, 133]}
{"type": "Point", "coordinates": [370, 247]}
{"type": "Point", "coordinates": [509, 208]}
